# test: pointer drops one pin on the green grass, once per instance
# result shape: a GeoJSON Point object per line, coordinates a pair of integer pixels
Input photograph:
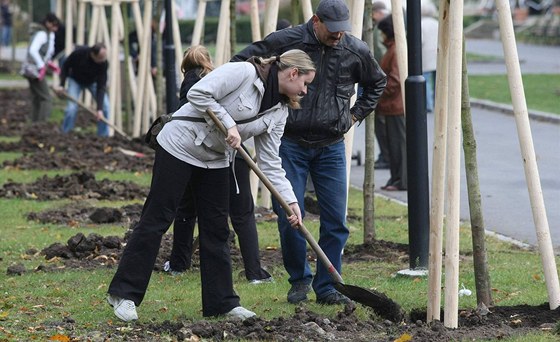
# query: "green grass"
{"type": "Point", "coordinates": [542, 92]}
{"type": "Point", "coordinates": [79, 294]}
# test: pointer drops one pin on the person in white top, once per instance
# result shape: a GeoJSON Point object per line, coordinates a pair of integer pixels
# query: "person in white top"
{"type": "Point", "coordinates": [251, 99]}
{"type": "Point", "coordinates": [429, 50]}
{"type": "Point", "coordinates": [40, 54]}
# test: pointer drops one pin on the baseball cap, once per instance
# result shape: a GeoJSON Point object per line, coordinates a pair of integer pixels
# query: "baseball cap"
{"type": "Point", "coordinates": [335, 15]}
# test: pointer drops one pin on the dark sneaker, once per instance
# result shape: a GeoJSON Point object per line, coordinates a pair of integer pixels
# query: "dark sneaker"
{"type": "Point", "coordinates": [381, 165]}
{"type": "Point", "coordinates": [333, 298]}
{"type": "Point", "coordinates": [298, 293]}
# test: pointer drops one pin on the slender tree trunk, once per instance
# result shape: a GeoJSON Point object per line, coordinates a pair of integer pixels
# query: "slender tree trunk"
{"type": "Point", "coordinates": [295, 10]}
{"type": "Point", "coordinates": [232, 28]}
{"type": "Point", "coordinates": [369, 176]}
{"type": "Point", "coordinates": [482, 278]}
{"type": "Point", "coordinates": [127, 91]}
{"type": "Point", "coordinates": [159, 81]}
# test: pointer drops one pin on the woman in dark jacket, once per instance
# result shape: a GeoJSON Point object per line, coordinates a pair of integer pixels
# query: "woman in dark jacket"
{"type": "Point", "coordinates": [391, 106]}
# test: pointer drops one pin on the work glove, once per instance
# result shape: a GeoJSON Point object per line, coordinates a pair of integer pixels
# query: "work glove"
{"type": "Point", "coordinates": [42, 72]}
{"type": "Point", "coordinates": [54, 67]}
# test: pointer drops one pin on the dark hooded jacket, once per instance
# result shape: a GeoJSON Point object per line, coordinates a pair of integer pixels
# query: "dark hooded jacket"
{"type": "Point", "coordinates": [325, 114]}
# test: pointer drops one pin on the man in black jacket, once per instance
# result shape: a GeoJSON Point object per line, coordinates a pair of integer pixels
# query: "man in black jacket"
{"type": "Point", "coordinates": [313, 141]}
{"type": "Point", "coordinates": [86, 68]}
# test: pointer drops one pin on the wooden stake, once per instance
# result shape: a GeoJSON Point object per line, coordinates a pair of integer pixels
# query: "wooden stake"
{"type": "Point", "coordinates": [400, 42]}
{"type": "Point", "coordinates": [270, 16]}
{"type": "Point", "coordinates": [438, 169]}
{"type": "Point", "coordinates": [255, 22]}
{"type": "Point", "coordinates": [142, 68]}
{"type": "Point", "coordinates": [199, 23]}
{"type": "Point", "coordinates": [356, 20]}
{"type": "Point", "coordinates": [528, 153]}
{"type": "Point", "coordinates": [307, 10]}
{"type": "Point", "coordinates": [221, 39]}
{"type": "Point", "coordinates": [453, 166]}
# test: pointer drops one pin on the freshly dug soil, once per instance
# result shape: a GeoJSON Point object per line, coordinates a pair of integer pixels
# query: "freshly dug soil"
{"type": "Point", "coordinates": [44, 148]}
{"type": "Point", "coordinates": [76, 186]}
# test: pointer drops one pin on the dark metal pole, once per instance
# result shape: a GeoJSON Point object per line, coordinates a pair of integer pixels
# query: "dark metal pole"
{"type": "Point", "coordinates": [169, 61]}
{"type": "Point", "coordinates": [416, 143]}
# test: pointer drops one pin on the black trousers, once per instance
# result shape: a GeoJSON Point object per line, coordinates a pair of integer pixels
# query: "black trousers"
{"type": "Point", "coordinates": [211, 190]}
{"type": "Point", "coordinates": [381, 136]}
{"type": "Point", "coordinates": [396, 139]}
{"type": "Point", "coordinates": [242, 215]}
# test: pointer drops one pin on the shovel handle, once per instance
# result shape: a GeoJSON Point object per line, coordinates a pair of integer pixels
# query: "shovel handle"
{"type": "Point", "coordinates": [314, 245]}
{"type": "Point", "coordinates": [92, 112]}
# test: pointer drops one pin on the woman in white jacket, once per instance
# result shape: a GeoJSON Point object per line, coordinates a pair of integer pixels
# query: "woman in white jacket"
{"type": "Point", "coordinates": [39, 54]}
{"type": "Point", "coordinates": [251, 99]}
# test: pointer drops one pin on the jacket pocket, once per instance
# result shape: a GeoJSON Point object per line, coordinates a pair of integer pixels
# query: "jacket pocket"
{"type": "Point", "coordinates": [343, 120]}
{"type": "Point", "coordinates": [241, 108]}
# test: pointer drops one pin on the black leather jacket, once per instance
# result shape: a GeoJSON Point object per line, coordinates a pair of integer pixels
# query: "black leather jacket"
{"type": "Point", "coordinates": [325, 114]}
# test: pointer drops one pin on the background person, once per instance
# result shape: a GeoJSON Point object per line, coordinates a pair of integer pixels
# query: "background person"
{"type": "Point", "coordinates": [6, 16]}
{"type": "Point", "coordinates": [86, 68]}
{"type": "Point", "coordinates": [378, 12]}
{"type": "Point", "coordinates": [194, 152]}
{"type": "Point", "coordinates": [392, 108]}
{"type": "Point", "coordinates": [313, 141]}
{"type": "Point", "coordinates": [39, 56]}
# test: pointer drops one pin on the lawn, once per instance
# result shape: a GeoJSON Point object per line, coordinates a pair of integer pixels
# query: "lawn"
{"type": "Point", "coordinates": [542, 92]}
{"type": "Point", "coordinates": [34, 302]}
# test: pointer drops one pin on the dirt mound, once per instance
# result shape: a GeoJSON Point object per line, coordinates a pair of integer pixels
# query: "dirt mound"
{"type": "Point", "coordinates": [77, 214]}
{"type": "Point", "coordinates": [14, 103]}
{"type": "Point", "coordinates": [306, 325]}
{"type": "Point", "coordinates": [76, 186]}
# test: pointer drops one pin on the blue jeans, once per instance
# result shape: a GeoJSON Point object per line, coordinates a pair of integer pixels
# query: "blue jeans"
{"type": "Point", "coordinates": [327, 168]}
{"type": "Point", "coordinates": [74, 90]}
{"type": "Point", "coordinates": [6, 35]}
{"type": "Point", "coordinates": [430, 77]}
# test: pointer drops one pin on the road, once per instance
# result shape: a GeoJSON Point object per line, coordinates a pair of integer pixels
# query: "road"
{"type": "Point", "coordinates": [505, 197]}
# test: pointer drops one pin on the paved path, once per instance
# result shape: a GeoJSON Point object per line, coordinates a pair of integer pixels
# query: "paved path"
{"type": "Point", "coordinates": [505, 198]}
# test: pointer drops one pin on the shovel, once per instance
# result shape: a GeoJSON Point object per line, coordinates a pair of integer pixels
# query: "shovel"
{"type": "Point", "coordinates": [92, 112]}
{"type": "Point", "coordinates": [379, 302]}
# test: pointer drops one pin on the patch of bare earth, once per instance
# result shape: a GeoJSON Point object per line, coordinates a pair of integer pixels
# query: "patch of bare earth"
{"type": "Point", "coordinates": [44, 148]}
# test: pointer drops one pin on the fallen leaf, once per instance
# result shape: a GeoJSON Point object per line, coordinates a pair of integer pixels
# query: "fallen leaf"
{"type": "Point", "coordinates": [58, 337]}
{"type": "Point", "coordinates": [404, 338]}
{"type": "Point", "coordinates": [536, 277]}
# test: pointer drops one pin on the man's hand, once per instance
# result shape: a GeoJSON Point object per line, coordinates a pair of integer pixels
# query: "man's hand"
{"type": "Point", "coordinates": [295, 220]}
{"type": "Point", "coordinates": [99, 115]}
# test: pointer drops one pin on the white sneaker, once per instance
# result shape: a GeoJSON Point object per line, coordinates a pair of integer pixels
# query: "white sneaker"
{"type": "Point", "coordinates": [261, 281]}
{"type": "Point", "coordinates": [124, 309]}
{"type": "Point", "coordinates": [167, 266]}
{"type": "Point", "coordinates": [240, 313]}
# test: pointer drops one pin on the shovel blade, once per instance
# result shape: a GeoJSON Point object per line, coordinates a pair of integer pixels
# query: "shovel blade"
{"type": "Point", "coordinates": [378, 301]}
